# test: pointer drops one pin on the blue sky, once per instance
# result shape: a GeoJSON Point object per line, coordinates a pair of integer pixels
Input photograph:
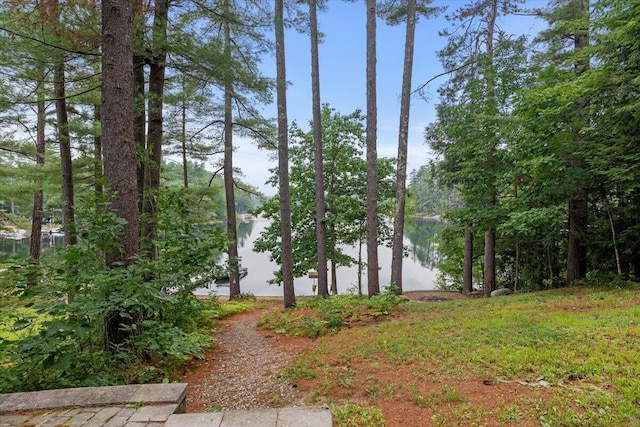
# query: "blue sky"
{"type": "Point", "coordinates": [343, 78]}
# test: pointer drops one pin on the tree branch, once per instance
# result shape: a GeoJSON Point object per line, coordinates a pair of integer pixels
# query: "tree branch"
{"type": "Point", "coordinates": [437, 76]}
{"type": "Point", "coordinates": [64, 49]}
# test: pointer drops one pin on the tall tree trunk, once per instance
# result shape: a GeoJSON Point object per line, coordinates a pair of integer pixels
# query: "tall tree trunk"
{"type": "Point", "coordinates": [360, 266]}
{"type": "Point", "coordinates": [334, 278]}
{"type": "Point", "coordinates": [577, 247]}
{"type": "Point", "coordinates": [578, 203]}
{"type": "Point", "coordinates": [64, 140]}
{"type": "Point", "coordinates": [373, 279]}
{"type": "Point", "coordinates": [183, 139]}
{"type": "Point", "coordinates": [614, 238]}
{"type": "Point", "coordinates": [232, 249]}
{"type": "Point", "coordinates": [140, 109]}
{"type": "Point", "coordinates": [492, 111]}
{"type": "Point", "coordinates": [119, 148]}
{"type": "Point", "coordinates": [489, 261]}
{"type": "Point", "coordinates": [38, 196]}
{"type": "Point", "coordinates": [332, 243]}
{"type": "Point", "coordinates": [467, 266]}
{"type": "Point", "coordinates": [283, 160]}
{"type": "Point", "coordinates": [403, 142]}
{"type": "Point", "coordinates": [155, 129]}
{"type": "Point", "coordinates": [98, 174]}
{"type": "Point", "coordinates": [321, 229]}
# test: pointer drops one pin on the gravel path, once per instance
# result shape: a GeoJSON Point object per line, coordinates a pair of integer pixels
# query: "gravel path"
{"type": "Point", "coordinates": [241, 369]}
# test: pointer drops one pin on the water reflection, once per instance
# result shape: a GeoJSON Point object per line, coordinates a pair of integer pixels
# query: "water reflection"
{"type": "Point", "coordinates": [20, 247]}
{"type": "Point", "coordinates": [244, 233]}
{"type": "Point", "coordinates": [420, 233]}
{"type": "Point", "coordinates": [419, 269]}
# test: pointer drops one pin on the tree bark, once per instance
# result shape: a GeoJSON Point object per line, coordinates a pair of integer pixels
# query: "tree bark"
{"type": "Point", "coordinates": [489, 261]}
{"type": "Point", "coordinates": [98, 174]}
{"type": "Point", "coordinates": [38, 196]}
{"type": "Point", "coordinates": [578, 203]}
{"type": "Point", "coordinates": [492, 111]}
{"type": "Point", "coordinates": [64, 140]}
{"type": "Point", "coordinates": [403, 141]}
{"type": "Point", "coordinates": [373, 280]}
{"type": "Point", "coordinates": [232, 248]}
{"type": "Point", "coordinates": [119, 146]}
{"type": "Point", "coordinates": [283, 160]}
{"type": "Point", "coordinates": [467, 266]}
{"type": "Point", "coordinates": [155, 129]}
{"type": "Point", "coordinates": [577, 247]}
{"type": "Point", "coordinates": [183, 140]}
{"type": "Point", "coordinates": [321, 229]}
{"type": "Point", "coordinates": [140, 109]}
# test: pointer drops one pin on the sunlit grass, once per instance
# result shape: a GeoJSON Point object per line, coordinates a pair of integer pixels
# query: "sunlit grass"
{"type": "Point", "coordinates": [581, 342]}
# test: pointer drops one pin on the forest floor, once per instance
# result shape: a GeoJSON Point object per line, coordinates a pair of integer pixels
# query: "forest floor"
{"type": "Point", "coordinates": [412, 368]}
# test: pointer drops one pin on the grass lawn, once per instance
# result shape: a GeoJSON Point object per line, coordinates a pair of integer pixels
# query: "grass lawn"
{"type": "Point", "coordinates": [566, 357]}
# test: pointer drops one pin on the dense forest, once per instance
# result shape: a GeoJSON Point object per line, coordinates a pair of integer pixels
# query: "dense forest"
{"type": "Point", "coordinates": [108, 112]}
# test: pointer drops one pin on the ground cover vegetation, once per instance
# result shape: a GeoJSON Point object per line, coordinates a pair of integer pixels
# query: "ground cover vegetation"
{"type": "Point", "coordinates": [556, 358]}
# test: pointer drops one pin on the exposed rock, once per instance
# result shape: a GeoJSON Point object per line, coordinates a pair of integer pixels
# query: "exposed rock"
{"type": "Point", "coordinates": [500, 292]}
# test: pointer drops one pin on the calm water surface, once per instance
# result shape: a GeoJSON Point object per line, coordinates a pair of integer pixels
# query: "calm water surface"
{"type": "Point", "coordinates": [419, 270]}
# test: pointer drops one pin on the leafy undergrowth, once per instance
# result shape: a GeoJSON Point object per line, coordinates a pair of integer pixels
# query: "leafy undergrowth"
{"type": "Point", "coordinates": [556, 358]}
{"type": "Point", "coordinates": [26, 330]}
{"type": "Point", "coordinates": [319, 316]}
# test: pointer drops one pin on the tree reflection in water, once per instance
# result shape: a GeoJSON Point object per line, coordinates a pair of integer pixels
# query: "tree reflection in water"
{"type": "Point", "coordinates": [421, 233]}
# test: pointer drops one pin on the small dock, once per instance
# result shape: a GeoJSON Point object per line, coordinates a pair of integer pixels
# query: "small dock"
{"type": "Point", "coordinates": [145, 405]}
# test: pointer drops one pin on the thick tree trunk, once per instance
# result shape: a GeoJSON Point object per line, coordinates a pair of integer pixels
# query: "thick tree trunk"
{"type": "Point", "coordinates": [578, 204]}
{"type": "Point", "coordinates": [373, 279]}
{"type": "Point", "coordinates": [139, 132]}
{"type": "Point", "coordinates": [140, 109]}
{"type": "Point", "coordinates": [489, 261]}
{"type": "Point", "coordinates": [403, 142]}
{"type": "Point", "coordinates": [467, 266]}
{"type": "Point", "coordinates": [155, 129]}
{"type": "Point", "coordinates": [232, 249]}
{"type": "Point", "coordinates": [64, 139]}
{"type": "Point", "coordinates": [492, 111]}
{"type": "Point", "coordinates": [119, 148]}
{"type": "Point", "coordinates": [577, 247]}
{"type": "Point", "coordinates": [38, 196]}
{"type": "Point", "coordinates": [283, 160]}
{"type": "Point", "coordinates": [321, 229]}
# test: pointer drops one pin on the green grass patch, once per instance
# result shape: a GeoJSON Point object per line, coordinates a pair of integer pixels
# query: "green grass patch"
{"type": "Point", "coordinates": [315, 317]}
{"type": "Point", "coordinates": [351, 415]}
{"type": "Point", "coordinates": [582, 341]}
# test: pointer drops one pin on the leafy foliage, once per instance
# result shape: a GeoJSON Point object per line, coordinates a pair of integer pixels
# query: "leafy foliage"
{"type": "Point", "coordinates": [345, 185]}
{"type": "Point", "coordinates": [68, 348]}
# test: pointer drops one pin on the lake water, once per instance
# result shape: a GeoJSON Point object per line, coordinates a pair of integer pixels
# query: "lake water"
{"type": "Point", "coordinates": [419, 270]}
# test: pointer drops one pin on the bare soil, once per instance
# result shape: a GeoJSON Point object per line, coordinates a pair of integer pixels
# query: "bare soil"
{"type": "Point", "coordinates": [241, 371]}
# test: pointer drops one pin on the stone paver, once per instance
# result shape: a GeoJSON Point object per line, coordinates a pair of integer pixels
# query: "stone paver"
{"type": "Point", "coordinates": [304, 417]}
{"type": "Point", "coordinates": [210, 419]}
{"type": "Point", "coordinates": [152, 405]}
{"type": "Point", "coordinates": [148, 414]}
{"type": "Point", "coordinates": [256, 418]}
{"type": "Point", "coordinates": [13, 420]}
